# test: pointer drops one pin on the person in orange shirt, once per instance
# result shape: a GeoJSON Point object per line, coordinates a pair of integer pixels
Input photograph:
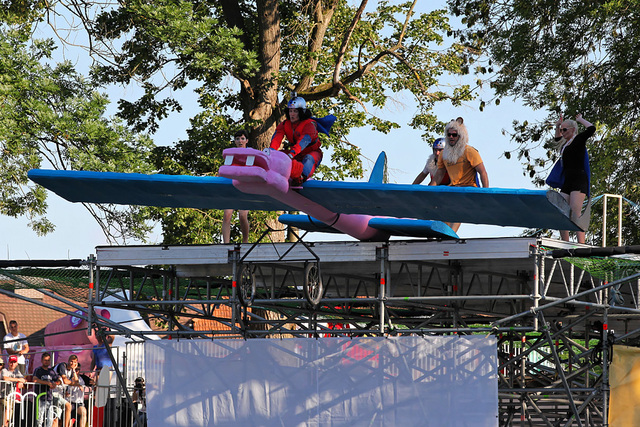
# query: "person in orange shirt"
{"type": "Point", "coordinates": [303, 144]}
{"type": "Point", "coordinates": [461, 161]}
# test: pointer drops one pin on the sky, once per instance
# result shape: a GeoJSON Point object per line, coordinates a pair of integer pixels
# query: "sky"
{"type": "Point", "coordinates": [77, 234]}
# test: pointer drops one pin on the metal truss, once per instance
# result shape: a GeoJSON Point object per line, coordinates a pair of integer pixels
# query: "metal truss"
{"type": "Point", "coordinates": [555, 323]}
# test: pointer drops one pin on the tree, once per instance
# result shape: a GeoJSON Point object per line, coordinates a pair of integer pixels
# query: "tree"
{"type": "Point", "coordinates": [51, 116]}
{"type": "Point", "coordinates": [567, 57]}
{"type": "Point", "coordinates": [245, 58]}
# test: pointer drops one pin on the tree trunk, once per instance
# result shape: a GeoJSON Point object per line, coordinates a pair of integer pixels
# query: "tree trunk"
{"type": "Point", "coordinates": [262, 115]}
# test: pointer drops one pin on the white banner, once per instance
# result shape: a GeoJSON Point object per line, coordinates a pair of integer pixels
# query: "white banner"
{"type": "Point", "coordinates": [400, 381]}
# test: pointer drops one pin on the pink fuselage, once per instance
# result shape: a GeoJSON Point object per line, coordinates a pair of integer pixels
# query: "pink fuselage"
{"type": "Point", "coordinates": [267, 172]}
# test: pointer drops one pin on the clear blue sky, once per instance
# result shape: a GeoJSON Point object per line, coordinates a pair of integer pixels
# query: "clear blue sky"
{"type": "Point", "coordinates": [77, 234]}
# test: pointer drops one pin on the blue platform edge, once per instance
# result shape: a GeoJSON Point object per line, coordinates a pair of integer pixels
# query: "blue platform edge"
{"type": "Point", "coordinates": [493, 206]}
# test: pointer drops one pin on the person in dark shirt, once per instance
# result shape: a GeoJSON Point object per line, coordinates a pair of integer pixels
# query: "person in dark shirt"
{"type": "Point", "coordinates": [572, 147]}
{"type": "Point", "coordinates": [140, 398]}
{"type": "Point", "coordinates": [46, 380]}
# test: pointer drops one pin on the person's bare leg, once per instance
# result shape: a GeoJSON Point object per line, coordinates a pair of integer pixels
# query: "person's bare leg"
{"type": "Point", "coordinates": [226, 225]}
{"type": "Point", "coordinates": [564, 234]}
{"type": "Point", "coordinates": [67, 414]}
{"type": "Point", "coordinates": [244, 225]}
{"type": "Point", "coordinates": [82, 412]}
{"type": "Point", "coordinates": [576, 200]}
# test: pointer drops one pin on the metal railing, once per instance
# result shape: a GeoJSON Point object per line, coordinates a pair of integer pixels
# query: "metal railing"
{"type": "Point", "coordinates": [28, 406]}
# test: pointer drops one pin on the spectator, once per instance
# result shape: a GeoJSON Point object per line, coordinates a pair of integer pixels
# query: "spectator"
{"type": "Point", "coordinates": [461, 161]}
{"type": "Point", "coordinates": [432, 165]}
{"type": "Point", "coordinates": [241, 138]}
{"type": "Point", "coordinates": [573, 150]}
{"type": "Point", "coordinates": [3, 392]}
{"type": "Point", "coordinates": [303, 144]}
{"type": "Point", "coordinates": [4, 405]}
{"type": "Point", "coordinates": [9, 375]}
{"type": "Point", "coordinates": [46, 380]}
{"type": "Point", "coordinates": [15, 343]}
{"type": "Point", "coordinates": [101, 353]}
{"type": "Point", "coordinates": [61, 405]}
{"type": "Point", "coordinates": [140, 397]}
{"type": "Point", "coordinates": [75, 390]}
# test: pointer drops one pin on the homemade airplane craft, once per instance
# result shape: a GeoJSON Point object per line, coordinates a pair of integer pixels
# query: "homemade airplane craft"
{"type": "Point", "coordinates": [259, 180]}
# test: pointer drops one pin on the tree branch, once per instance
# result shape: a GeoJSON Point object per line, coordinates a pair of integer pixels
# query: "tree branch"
{"type": "Point", "coordinates": [345, 41]}
{"type": "Point", "coordinates": [322, 19]}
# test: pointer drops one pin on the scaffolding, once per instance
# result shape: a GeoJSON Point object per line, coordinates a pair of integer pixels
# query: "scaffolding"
{"type": "Point", "coordinates": [556, 316]}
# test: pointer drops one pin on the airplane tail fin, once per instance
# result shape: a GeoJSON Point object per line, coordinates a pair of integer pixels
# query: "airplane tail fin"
{"type": "Point", "coordinates": [379, 172]}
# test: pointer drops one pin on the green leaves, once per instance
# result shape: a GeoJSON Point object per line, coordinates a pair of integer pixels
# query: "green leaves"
{"type": "Point", "coordinates": [242, 59]}
{"type": "Point", "coordinates": [52, 117]}
{"type": "Point", "coordinates": [568, 58]}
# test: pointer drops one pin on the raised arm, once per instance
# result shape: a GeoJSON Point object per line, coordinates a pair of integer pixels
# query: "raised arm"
{"type": "Point", "coordinates": [582, 121]}
{"type": "Point", "coordinates": [558, 124]}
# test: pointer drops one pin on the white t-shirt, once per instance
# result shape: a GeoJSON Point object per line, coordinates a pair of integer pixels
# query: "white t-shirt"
{"type": "Point", "coordinates": [7, 387]}
{"type": "Point", "coordinates": [16, 345]}
{"type": "Point", "coordinates": [76, 393]}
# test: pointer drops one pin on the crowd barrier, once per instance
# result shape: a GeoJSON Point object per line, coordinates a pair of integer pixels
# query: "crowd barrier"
{"type": "Point", "coordinates": [20, 408]}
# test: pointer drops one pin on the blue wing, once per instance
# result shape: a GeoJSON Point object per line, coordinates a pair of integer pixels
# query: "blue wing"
{"type": "Point", "coordinates": [495, 206]}
{"type": "Point", "coordinates": [393, 226]}
{"type": "Point", "coordinates": [175, 191]}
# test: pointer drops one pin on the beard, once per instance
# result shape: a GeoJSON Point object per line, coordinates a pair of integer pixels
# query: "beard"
{"type": "Point", "coordinates": [451, 153]}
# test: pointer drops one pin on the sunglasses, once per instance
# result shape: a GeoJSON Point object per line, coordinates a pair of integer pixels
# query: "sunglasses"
{"type": "Point", "coordinates": [565, 129]}
{"type": "Point", "coordinates": [453, 135]}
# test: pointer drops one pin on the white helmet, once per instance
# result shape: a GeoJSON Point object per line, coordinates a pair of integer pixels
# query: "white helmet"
{"type": "Point", "coordinates": [438, 144]}
{"type": "Point", "coordinates": [298, 102]}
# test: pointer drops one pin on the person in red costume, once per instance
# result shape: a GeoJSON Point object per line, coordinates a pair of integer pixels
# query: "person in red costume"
{"type": "Point", "coordinates": [303, 144]}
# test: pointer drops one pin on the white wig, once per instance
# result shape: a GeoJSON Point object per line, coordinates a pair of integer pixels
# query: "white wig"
{"type": "Point", "coordinates": [563, 140]}
{"type": "Point", "coordinates": [453, 153]}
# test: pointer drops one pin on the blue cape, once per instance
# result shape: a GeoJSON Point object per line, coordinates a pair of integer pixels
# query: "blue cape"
{"type": "Point", "coordinates": [325, 123]}
{"type": "Point", "coordinates": [556, 176]}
